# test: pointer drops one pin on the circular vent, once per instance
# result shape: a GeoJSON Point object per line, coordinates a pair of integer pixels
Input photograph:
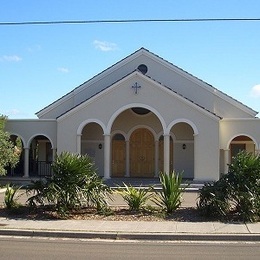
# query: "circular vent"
{"type": "Point", "coordinates": [140, 110]}
{"type": "Point", "coordinates": [143, 68]}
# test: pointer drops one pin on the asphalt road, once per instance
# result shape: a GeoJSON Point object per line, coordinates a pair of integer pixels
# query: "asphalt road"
{"type": "Point", "coordinates": [46, 248]}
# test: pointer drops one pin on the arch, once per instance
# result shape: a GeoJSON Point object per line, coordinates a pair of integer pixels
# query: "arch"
{"type": "Point", "coordinates": [17, 171]}
{"type": "Point", "coordinates": [39, 134]}
{"type": "Point", "coordinates": [182, 120]}
{"type": "Point", "coordinates": [39, 156]}
{"type": "Point", "coordinates": [242, 134]}
{"type": "Point", "coordinates": [183, 150]}
{"type": "Point", "coordinates": [119, 111]}
{"type": "Point", "coordinates": [90, 141]}
{"type": "Point", "coordinates": [141, 126]}
{"type": "Point", "coordinates": [162, 134]}
{"type": "Point", "coordinates": [15, 134]}
{"type": "Point", "coordinates": [88, 121]}
{"type": "Point", "coordinates": [118, 132]}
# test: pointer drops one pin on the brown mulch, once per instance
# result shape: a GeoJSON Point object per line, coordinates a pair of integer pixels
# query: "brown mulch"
{"type": "Point", "coordinates": [189, 214]}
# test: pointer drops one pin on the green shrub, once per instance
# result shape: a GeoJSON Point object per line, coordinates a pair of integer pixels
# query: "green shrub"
{"type": "Point", "coordinates": [169, 199]}
{"type": "Point", "coordinates": [74, 184]}
{"type": "Point", "coordinates": [10, 198]}
{"type": "Point", "coordinates": [135, 197]}
{"type": "Point", "coordinates": [236, 194]}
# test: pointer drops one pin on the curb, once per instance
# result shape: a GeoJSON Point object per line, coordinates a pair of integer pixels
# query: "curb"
{"type": "Point", "coordinates": [132, 236]}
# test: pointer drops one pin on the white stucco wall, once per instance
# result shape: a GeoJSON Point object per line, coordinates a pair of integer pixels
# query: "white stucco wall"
{"type": "Point", "coordinates": [165, 105]}
{"type": "Point", "coordinates": [230, 128]}
{"type": "Point", "coordinates": [27, 129]}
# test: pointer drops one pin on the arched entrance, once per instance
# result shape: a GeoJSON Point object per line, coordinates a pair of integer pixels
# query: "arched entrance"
{"type": "Point", "coordinates": [19, 168]}
{"type": "Point", "coordinates": [118, 155]}
{"type": "Point", "coordinates": [142, 162]}
{"type": "Point", "coordinates": [40, 156]}
{"type": "Point", "coordinates": [241, 143]}
{"type": "Point", "coordinates": [92, 144]}
{"type": "Point", "coordinates": [183, 149]}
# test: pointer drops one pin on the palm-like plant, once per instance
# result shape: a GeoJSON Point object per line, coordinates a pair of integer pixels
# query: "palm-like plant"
{"type": "Point", "coordinates": [135, 197]}
{"type": "Point", "coordinates": [10, 198]}
{"type": "Point", "coordinates": [169, 198]}
{"type": "Point", "coordinates": [74, 183]}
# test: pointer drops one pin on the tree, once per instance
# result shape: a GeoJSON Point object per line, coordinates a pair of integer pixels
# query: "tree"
{"type": "Point", "coordinates": [237, 193]}
{"type": "Point", "coordinates": [9, 152]}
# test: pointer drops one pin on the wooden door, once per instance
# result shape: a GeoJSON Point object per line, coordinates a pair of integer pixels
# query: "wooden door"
{"type": "Point", "coordinates": [118, 158]}
{"type": "Point", "coordinates": [142, 153]}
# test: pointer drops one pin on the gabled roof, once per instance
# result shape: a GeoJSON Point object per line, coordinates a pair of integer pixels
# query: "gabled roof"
{"type": "Point", "coordinates": [129, 58]}
{"type": "Point", "coordinates": [202, 81]}
{"type": "Point", "coordinates": [137, 72]}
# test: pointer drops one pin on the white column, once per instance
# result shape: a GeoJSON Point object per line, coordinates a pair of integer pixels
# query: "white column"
{"type": "Point", "coordinates": [226, 160]}
{"type": "Point", "coordinates": [79, 143]}
{"type": "Point", "coordinates": [156, 158]}
{"type": "Point", "coordinates": [26, 162]}
{"type": "Point", "coordinates": [166, 142]}
{"type": "Point", "coordinates": [107, 144]}
{"type": "Point", "coordinates": [196, 158]}
{"type": "Point", "coordinates": [127, 154]}
{"type": "Point", "coordinates": [257, 152]}
{"type": "Point", "coordinates": [54, 154]}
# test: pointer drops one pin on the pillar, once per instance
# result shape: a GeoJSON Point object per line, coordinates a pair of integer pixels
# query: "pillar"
{"type": "Point", "coordinates": [196, 158]}
{"type": "Point", "coordinates": [107, 149]}
{"type": "Point", "coordinates": [26, 162]}
{"type": "Point", "coordinates": [79, 143]}
{"type": "Point", "coordinates": [226, 160]}
{"type": "Point", "coordinates": [166, 142]}
{"type": "Point", "coordinates": [127, 154]}
{"type": "Point", "coordinates": [156, 158]}
{"type": "Point", "coordinates": [54, 154]}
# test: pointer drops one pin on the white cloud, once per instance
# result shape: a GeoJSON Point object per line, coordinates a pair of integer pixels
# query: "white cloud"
{"type": "Point", "coordinates": [104, 46]}
{"type": "Point", "coordinates": [255, 91]}
{"type": "Point", "coordinates": [12, 112]}
{"type": "Point", "coordinates": [10, 58]}
{"type": "Point", "coordinates": [63, 70]}
{"type": "Point", "coordinates": [34, 48]}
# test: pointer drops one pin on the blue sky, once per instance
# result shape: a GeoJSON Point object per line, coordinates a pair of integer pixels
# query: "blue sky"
{"type": "Point", "coordinates": [41, 63]}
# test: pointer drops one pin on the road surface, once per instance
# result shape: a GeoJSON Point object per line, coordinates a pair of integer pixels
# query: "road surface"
{"type": "Point", "coordinates": [54, 248]}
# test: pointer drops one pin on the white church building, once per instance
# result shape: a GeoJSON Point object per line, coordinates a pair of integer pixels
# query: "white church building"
{"type": "Point", "coordinates": [141, 116]}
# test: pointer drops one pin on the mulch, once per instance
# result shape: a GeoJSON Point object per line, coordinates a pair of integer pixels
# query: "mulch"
{"type": "Point", "coordinates": [183, 214]}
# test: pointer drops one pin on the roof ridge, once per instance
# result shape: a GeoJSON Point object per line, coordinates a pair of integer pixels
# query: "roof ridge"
{"type": "Point", "coordinates": [199, 79]}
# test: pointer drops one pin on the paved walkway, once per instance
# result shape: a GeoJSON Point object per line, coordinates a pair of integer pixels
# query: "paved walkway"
{"type": "Point", "coordinates": [155, 230]}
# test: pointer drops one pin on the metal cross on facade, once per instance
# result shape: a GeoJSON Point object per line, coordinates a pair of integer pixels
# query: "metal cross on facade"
{"type": "Point", "coordinates": [136, 87]}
